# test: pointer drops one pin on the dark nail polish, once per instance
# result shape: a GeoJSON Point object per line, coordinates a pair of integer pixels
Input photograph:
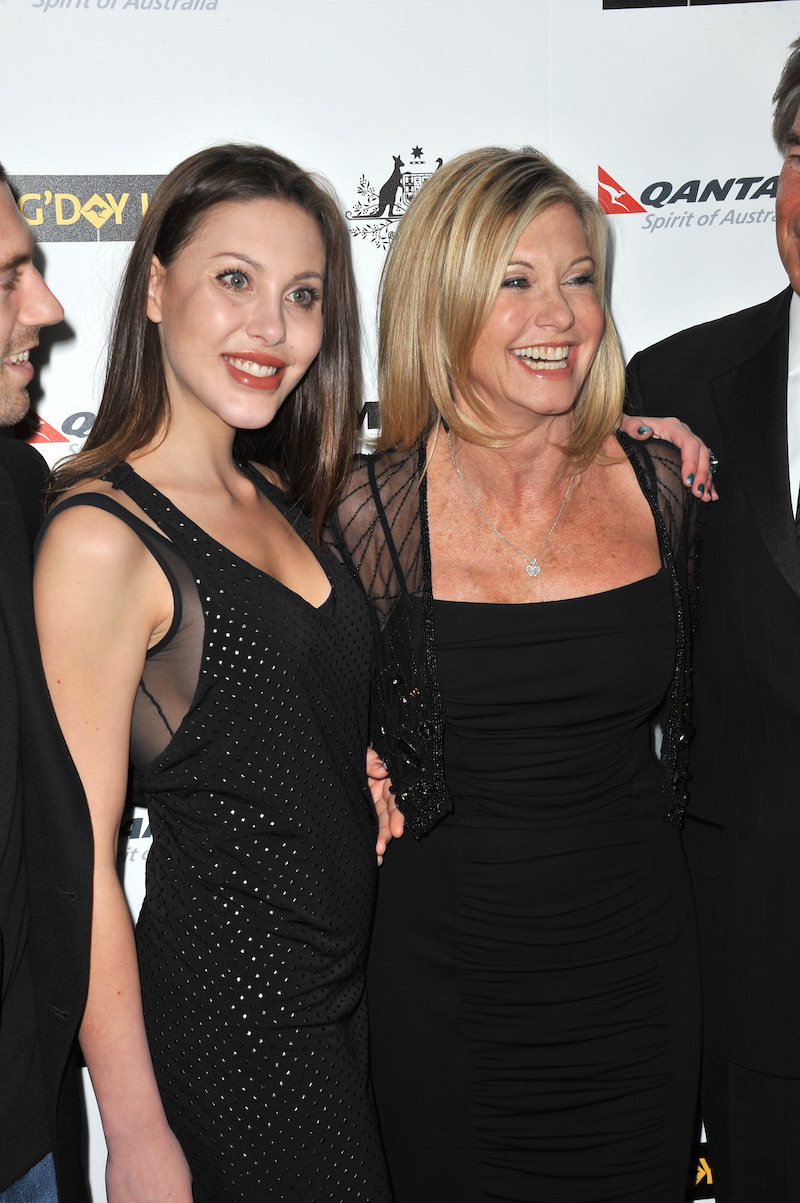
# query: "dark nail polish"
{"type": "Point", "coordinates": [701, 489]}
{"type": "Point", "coordinates": [690, 479]}
{"type": "Point", "coordinates": [644, 429]}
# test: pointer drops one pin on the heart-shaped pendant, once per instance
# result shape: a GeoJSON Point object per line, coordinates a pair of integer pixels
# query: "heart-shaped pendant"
{"type": "Point", "coordinates": [532, 569]}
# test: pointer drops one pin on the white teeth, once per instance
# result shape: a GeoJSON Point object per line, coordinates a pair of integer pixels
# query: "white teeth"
{"type": "Point", "coordinates": [252, 369]}
{"type": "Point", "coordinates": [20, 357]}
{"type": "Point", "coordinates": [544, 356]}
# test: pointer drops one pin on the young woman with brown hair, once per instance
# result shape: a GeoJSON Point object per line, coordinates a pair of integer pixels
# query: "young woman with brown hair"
{"type": "Point", "coordinates": [228, 656]}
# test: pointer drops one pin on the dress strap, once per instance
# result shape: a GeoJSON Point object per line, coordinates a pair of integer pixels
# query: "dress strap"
{"type": "Point", "coordinates": [159, 546]}
{"type": "Point", "coordinates": [127, 480]}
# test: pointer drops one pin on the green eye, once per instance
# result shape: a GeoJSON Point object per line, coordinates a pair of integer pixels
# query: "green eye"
{"type": "Point", "coordinates": [304, 297]}
{"type": "Point", "coordinates": [235, 279]}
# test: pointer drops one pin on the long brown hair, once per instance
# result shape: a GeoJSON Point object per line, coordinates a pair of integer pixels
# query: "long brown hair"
{"type": "Point", "coordinates": [441, 278]}
{"type": "Point", "coordinates": [311, 439]}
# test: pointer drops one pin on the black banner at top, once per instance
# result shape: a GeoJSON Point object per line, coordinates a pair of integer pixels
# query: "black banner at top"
{"type": "Point", "coordinates": [612, 4]}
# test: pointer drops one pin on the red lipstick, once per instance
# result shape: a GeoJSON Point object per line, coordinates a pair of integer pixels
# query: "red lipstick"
{"type": "Point", "coordinates": [265, 371]}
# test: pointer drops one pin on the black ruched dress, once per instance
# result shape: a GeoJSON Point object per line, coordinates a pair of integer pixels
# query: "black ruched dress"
{"type": "Point", "coordinates": [249, 737]}
{"type": "Point", "coordinates": [533, 975]}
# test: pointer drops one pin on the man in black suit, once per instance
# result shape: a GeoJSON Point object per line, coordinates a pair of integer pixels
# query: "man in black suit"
{"type": "Point", "coordinates": [45, 834]}
{"type": "Point", "coordinates": [736, 381]}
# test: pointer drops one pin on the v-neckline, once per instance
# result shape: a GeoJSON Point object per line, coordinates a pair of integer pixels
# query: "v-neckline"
{"type": "Point", "coordinates": [266, 487]}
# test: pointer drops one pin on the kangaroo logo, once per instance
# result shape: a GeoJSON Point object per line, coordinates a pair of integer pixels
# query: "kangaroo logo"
{"type": "Point", "coordinates": [388, 193]}
{"type": "Point", "coordinates": [613, 198]}
{"type": "Point", "coordinates": [373, 215]}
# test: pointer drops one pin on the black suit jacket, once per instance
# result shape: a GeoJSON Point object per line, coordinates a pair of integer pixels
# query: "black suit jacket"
{"type": "Point", "coordinates": [727, 379]}
{"type": "Point", "coordinates": [57, 831]}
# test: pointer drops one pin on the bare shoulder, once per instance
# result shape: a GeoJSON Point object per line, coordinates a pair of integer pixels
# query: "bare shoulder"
{"type": "Point", "coordinates": [630, 470]}
{"type": "Point", "coordinates": [96, 538]}
{"type": "Point", "coordinates": [91, 562]}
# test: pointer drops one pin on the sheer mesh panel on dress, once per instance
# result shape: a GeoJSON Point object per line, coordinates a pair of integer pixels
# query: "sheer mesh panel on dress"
{"type": "Point", "coordinates": [172, 668]}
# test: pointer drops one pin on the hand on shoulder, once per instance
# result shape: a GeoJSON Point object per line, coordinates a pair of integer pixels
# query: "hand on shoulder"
{"type": "Point", "coordinates": [697, 460]}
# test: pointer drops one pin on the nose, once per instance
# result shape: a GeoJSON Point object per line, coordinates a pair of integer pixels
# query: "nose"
{"type": "Point", "coordinates": [553, 308]}
{"type": "Point", "coordinates": [267, 319]}
{"type": "Point", "coordinates": [39, 307]}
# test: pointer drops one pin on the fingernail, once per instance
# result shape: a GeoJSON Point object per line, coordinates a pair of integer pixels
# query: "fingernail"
{"type": "Point", "coordinates": [701, 489]}
{"type": "Point", "coordinates": [644, 429]}
{"type": "Point", "coordinates": [690, 479]}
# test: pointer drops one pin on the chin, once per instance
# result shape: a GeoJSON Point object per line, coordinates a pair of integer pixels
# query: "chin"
{"type": "Point", "coordinates": [13, 407]}
{"type": "Point", "coordinates": [256, 421]}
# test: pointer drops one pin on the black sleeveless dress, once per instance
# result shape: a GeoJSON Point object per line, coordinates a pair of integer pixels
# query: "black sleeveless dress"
{"type": "Point", "coordinates": [533, 975]}
{"type": "Point", "coordinates": [249, 737]}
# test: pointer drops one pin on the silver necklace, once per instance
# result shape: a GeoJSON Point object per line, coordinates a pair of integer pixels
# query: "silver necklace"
{"type": "Point", "coordinates": [532, 565]}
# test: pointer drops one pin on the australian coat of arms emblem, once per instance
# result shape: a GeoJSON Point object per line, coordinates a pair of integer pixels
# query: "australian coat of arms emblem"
{"type": "Point", "coordinates": [373, 215]}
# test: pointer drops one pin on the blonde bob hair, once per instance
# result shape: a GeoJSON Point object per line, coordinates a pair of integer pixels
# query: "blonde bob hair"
{"type": "Point", "coordinates": [439, 284]}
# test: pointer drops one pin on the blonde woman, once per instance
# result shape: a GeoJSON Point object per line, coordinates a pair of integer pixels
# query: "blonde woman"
{"type": "Point", "coordinates": [533, 977]}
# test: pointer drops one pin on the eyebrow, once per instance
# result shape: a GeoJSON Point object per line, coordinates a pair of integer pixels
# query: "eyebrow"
{"type": "Point", "coordinates": [525, 263]}
{"type": "Point", "coordinates": [20, 260]}
{"type": "Point", "coordinates": [259, 267]}
{"type": "Point", "coordinates": [793, 138]}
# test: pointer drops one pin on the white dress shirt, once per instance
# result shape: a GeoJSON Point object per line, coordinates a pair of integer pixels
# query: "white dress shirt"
{"type": "Point", "coordinates": [793, 400]}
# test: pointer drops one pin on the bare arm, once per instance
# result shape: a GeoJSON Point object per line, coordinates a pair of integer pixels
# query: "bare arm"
{"type": "Point", "coordinates": [100, 601]}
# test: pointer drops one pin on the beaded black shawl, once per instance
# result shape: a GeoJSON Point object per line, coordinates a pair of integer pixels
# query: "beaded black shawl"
{"type": "Point", "coordinates": [380, 531]}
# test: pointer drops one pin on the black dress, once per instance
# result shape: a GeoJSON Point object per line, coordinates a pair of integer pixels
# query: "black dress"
{"type": "Point", "coordinates": [249, 737]}
{"type": "Point", "coordinates": [533, 976]}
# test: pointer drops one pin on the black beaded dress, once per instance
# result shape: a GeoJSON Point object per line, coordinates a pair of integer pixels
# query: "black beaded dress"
{"type": "Point", "coordinates": [248, 746]}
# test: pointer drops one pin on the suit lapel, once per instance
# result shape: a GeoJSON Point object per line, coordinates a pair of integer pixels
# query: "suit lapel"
{"type": "Point", "coordinates": [15, 593]}
{"type": "Point", "coordinates": [750, 400]}
{"type": "Point", "coordinates": [16, 609]}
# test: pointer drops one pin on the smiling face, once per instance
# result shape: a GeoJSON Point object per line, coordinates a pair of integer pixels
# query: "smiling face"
{"type": "Point", "coordinates": [26, 304]}
{"type": "Point", "coordinates": [787, 207]}
{"type": "Point", "coordinates": [540, 339]}
{"type": "Point", "coordinates": [240, 312]}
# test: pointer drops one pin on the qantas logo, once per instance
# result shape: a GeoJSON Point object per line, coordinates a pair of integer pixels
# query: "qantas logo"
{"type": "Point", "coordinates": [74, 430]}
{"type": "Point", "coordinates": [613, 198]}
{"type": "Point", "coordinates": [45, 433]}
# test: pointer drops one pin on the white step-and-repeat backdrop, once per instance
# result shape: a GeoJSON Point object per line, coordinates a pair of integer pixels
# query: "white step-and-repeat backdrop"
{"type": "Point", "coordinates": [661, 109]}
